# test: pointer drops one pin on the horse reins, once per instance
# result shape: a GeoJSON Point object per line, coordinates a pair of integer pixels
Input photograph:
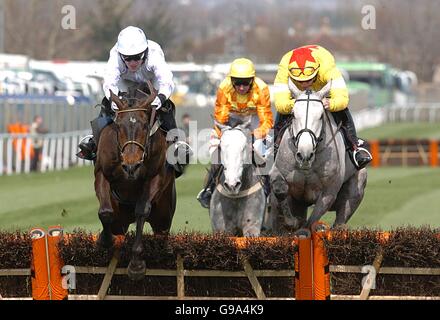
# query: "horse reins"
{"type": "Point", "coordinates": [315, 140]}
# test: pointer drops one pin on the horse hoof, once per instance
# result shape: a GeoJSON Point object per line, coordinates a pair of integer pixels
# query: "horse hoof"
{"type": "Point", "coordinates": [136, 270]}
{"type": "Point", "coordinates": [104, 241]}
{"type": "Point", "coordinates": [341, 226]}
{"type": "Point", "coordinates": [292, 222]}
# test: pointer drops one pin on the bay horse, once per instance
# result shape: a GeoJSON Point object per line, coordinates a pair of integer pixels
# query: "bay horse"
{"type": "Point", "coordinates": [133, 183]}
{"type": "Point", "coordinates": [238, 202]}
{"type": "Point", "coordinates": [312, 167]}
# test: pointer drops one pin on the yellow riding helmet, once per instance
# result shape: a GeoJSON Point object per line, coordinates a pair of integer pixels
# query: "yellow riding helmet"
{"type": "Point", "coordinates": [302, 65]}
{"type": "Point", "coordinates": [242, 68]}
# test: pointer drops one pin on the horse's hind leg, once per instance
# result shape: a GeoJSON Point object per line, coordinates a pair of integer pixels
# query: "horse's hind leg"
{"type": "Point", "coordinates": [105, 212]}
{"type": "Point", "coordinates": [350, 197]}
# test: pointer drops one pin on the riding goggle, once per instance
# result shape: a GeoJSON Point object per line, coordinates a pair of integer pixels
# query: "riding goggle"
{"type": "Point", "coordinates": [307, 71]}
{"type": "Point", "coordinates": [135, 57]}
{"type": "Point", "coordinates": [241, 82]}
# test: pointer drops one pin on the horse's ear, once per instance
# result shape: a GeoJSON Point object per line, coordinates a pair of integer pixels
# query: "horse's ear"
{"type": "Point", "coordinates": [246, 124]}
{"type": "Point", "coordinates": [114, 98]}
{"type": "Point", "coordinates": [294, 89]}
{"type": "Point", "coordinates": [221, 126]}
{"type": "Point", "coordinates": [149, 97]}
{"type": "Point", "coordinates": [325, 90]}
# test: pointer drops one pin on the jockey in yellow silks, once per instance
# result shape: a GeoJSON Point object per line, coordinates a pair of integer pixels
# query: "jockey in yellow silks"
{"type": "Point", "coordinates": [312, 67]}
{"type": "Point", "coordinates": [239, 95]}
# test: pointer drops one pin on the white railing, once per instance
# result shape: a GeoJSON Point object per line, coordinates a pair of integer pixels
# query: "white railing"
{"type": "Point", "coordinates": [413, 112]}
{"type": "Point", "coordinates": [58, 152]}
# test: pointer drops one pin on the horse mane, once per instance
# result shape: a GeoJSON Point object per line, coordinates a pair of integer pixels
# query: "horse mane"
{"type": "Point", "coordinates": [136, 92]}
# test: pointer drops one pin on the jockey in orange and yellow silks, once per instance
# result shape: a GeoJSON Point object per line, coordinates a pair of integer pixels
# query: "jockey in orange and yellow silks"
{"type": "Point", "coordinates": [312, 67]}
{"type": "Point", "coordinates": [255, 102]}
{"type": "Point", "coordinates": [240, 94]}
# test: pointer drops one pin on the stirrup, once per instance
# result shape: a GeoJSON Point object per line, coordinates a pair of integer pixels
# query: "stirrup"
{"type": "Point", "coordinates": [85, 151]}
{"type": "Point", "coordinates": [204, 197]}
{"type": "Point", "coordinates": [355, 152]}
{"type": "Point", "coordinates": [178, 144]}
{"type": "Point", "coordinates": [87, 137]}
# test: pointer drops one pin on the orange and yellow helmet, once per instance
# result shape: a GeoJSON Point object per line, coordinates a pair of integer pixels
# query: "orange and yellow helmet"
{"type": "Point", "coordinates": [302, 65]}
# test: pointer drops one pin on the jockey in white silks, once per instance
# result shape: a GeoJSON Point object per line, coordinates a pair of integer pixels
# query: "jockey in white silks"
{"type": "Point", "coordinates": [135, 59]}
{"type": "Point", "coordinates": [240, 94]}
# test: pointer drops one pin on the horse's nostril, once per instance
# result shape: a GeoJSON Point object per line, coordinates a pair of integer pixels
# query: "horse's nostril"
{"type": "Point", "coordinates": [237, 185]}
{"type": "Point", "coordinates": [311, 156]}
{"type": "Point", "coordinates": [299, 156]}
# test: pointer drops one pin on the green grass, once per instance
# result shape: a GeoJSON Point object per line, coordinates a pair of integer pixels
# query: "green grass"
{"type": "Point", "coordinates": [394, 197]}
{"type": "Point", "coordinates": [403, 130]}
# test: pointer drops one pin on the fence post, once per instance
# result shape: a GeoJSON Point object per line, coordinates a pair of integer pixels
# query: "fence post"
{"type": "Point", "coordinates": [321, 267]}
{"type": "Point", "coordinates": [433, 153]}
{"type": "Point", "coordinates": [304, 266]}
{"type": "Point", "coordinates": [54, 235]}
{"type": "Point", "coordinates": [375, 153]}
{"type": "Point", "coordinates": [39, 266]}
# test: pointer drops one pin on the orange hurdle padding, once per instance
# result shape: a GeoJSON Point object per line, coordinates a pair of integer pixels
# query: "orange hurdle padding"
{"type": "Point", "coordinates": [433, 153]}
{"type": "Point", "coordinates": [39, 266]}
{"type": "Point", "coordinates": [243, 242]}
{"type": "Point", "coordinates": [54, 235]}
{"type": "Point", "coordinates": [321, 267]}
{"type": "Point", "coordinates": [375, 153]}
{"type": "Point", "coordinates": [304, 266]}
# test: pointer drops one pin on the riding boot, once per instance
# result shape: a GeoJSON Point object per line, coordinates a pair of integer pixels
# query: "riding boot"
{"type": "Point", "coordinates": [359, 155]}
{"type": "Point", "coordinates": [204, 196]}
{"type": "Point", "coordinates": [88, 145]}
{"type": "Point", "coordinates": [182, 151]}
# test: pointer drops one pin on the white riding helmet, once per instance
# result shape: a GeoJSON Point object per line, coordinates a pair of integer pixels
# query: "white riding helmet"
{"type": "Point", "coordinates": [132, 41]}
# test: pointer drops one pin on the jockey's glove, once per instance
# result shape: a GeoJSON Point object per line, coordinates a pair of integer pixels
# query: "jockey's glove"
{"type": "Point", "coordinates": [114, 106]}
{"type": "Point", "coordinates": [159, 101]}
{"type": "Point", "coordinates": [269, 139]}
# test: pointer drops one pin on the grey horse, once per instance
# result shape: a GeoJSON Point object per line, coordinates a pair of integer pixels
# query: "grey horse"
{"type": "Point", "coordinates": [313, 168]}
{"type": "Point", "coordinates": [238, 203]}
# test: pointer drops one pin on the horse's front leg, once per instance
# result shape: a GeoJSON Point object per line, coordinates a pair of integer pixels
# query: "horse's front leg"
{"type": "Point", "coordinates": [105, 212]}
{"type": "Point", "coordinates": [136, 267]}
{"type": "Point", "coordinates": [280, 189]}
{"type": "Point", "coordinates": [322, 205]}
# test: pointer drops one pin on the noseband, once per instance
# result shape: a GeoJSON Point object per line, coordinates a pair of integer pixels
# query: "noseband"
{"type": "Point", "coordinates": [315, 140]}
{"type": "Point", "coordinates": [144, 147]}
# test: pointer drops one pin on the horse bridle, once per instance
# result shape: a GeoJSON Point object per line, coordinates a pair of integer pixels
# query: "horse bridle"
{"type": "Point", "coordinates": [144, 147]}
{"type": "Point", "coordinates": [315, 140]}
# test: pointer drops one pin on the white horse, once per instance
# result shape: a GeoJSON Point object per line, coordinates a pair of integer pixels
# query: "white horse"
{"type": "Point", "coordinates": [238, 203]}
{"type": "Point", "coordinates": [313, 168]}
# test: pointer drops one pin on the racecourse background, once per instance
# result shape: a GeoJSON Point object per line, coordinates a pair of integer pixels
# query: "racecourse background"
{"type": "Point", "coordinates": [395, 196]}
